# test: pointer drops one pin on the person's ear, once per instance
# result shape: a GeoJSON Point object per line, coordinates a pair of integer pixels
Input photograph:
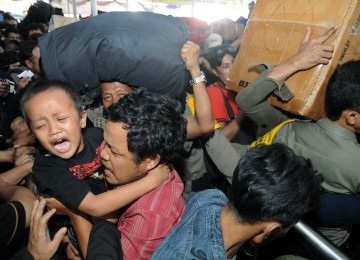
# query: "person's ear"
{"type": "Point", "coordinates": [152, 162]}
{"type": "Point", "coordinates": [269, 230]}
{"type": "Point", "coordinates": [83, 117]}
{"type": "Point", "coordinates": [351, 117]}
{"type": "Point", "coordinates": [272, 230]}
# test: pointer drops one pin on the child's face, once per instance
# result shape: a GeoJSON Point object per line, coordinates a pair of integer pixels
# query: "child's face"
{"type": "Point", "coordinates": [56, 122]}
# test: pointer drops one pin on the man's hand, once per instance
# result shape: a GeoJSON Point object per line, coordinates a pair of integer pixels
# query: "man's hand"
{"type": "Point", "coordinates": [40, 246]}
{"type": "Point", "coordinates": [14, 66]}
{"type": "Point", "coordinates": [23, 82]}
{"type": "Point", "coordinates": [190, 55]}
{"type": "Point", "coordinates": [314, 52]}
{"type": "Point", "coordinates": [18, 124]}
{"type": "Point", "coordinates": [22, 136]}
{"type": "Point", "coordinates": [311, 53]}
{"type": "Point", "coordinates": [61, 209]}
{"type": "Point", "coordinates": [4, 89]}
{"type": "Point", "coordinates": [24, 154]}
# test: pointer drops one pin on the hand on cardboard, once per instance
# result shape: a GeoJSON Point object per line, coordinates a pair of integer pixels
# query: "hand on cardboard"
{"type": "Point", "coordinates": [40, 246]}
{"type": "Point", "coordinates": [311, 53]}
{"type": "Point", "coordinates": [314, 51]}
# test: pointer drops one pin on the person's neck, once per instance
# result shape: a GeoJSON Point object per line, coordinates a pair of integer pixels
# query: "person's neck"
{"type": "Point", "coordinates": [163, 169]}
{"type": "Point", "coordinates": [235, 233]}
{"type": "Point", "coordinates": [343, 123]}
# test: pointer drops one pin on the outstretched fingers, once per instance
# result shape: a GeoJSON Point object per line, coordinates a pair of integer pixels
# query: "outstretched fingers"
{"type": "Point", "coordinates": [327, 35]}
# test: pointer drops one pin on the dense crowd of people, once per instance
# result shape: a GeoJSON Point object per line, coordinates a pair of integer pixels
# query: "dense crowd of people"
{"type": "Point", "coordinates": [109, 151]}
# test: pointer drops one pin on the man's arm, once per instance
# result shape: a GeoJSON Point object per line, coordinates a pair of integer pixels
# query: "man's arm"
{"type": "Point", "coordinates": [10, 192]}
{"type": "Point", "coordinates": [16, 174]}
{"type": "Point", "coordinates": [24, 161]}
{"type": "Point", "coordinates": [336, 209]}
{"type": "Point", "coordinates": [7, 156]}
{"type": "Point", "coordinates": [252, 99]}
{"type": "Point", "coordinates": [203, 121]}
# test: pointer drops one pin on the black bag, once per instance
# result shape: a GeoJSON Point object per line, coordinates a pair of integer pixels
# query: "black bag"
{"type": "Point", "coordinates": [136, 48]}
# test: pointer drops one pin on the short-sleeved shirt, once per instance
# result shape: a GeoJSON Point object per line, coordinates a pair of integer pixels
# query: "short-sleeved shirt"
{"type": "Point", "coordinates": [146, 222]}
{"type": "Point", "coordinates": [62, 178]}
{"type": "Point", "coordinates": [218, 96]}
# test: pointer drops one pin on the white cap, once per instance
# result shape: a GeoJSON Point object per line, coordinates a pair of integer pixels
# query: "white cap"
{"type": "Point", "coordinates": [213, 40]}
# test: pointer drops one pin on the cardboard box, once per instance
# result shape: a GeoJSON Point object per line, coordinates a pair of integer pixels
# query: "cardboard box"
{"type": "Point", "coordinates": [58, 21]}
{"type": "Point", "coordinates": [275, 31]}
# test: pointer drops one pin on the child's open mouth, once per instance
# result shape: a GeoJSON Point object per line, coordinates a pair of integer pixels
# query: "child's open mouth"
{"type": "Point", "coordinates": [62, 145]}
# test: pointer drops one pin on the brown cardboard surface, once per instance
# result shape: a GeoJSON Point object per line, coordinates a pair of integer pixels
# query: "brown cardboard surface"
{"type": "Point", "coordinates": [275, 31]}
{"type": "Point", "coordinates": [58, 21]}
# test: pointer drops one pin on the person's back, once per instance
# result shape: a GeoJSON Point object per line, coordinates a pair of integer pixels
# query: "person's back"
{"type": "Point", "coordinates": [331, 142]}
{"type": "Point", "coordinates": [333, 150]}
{"type": "Point", "coordinates": [272, 189]}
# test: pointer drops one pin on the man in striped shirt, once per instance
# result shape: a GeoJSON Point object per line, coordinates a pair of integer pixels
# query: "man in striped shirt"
{"type": "Point", "coordinates": [144, 133]}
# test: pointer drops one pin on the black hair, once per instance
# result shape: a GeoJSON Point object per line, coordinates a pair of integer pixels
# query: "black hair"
{"type": "Point", "coordinates": [14, 42]}
{"type": "Point", "coordinates": [39, 12]}
{"type": "Point", "coordinates": [272, 183]}
{"type": "Point", "coordinates": [8, 57]}
{"type": "Point", "coordinates": [154, 123]}
{"type": "Point", "coordinates": [33, 26]}
{"type": "Point", "coordinates": [216, 54]}
{"type": "Point", "coordinates": [11, 30]}
{"type": "Point", "coordinates": [343, 90]}
{"type": "Point", "coordinates": [44, 85]}
{"type": "Point", "coordinates": [25, 50]}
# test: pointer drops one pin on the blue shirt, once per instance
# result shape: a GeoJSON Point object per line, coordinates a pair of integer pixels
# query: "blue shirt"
{"type": "Point", "coordinates": [198, 235]}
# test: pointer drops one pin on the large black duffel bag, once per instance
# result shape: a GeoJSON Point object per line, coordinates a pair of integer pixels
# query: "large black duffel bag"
{"type": "Point", "coordinates": [137, 48]}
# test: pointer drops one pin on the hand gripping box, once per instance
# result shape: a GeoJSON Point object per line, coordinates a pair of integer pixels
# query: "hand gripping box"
{"type": "Point", "coordinates": [275, 31]}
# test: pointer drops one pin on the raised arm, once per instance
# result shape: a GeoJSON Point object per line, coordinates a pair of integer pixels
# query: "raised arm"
{"type": "Point", "coordinates": [252, 99]}
{"type": "Point", "coordinates": [311, 53]}
{"type": "Point", "coordinates": [203, 121]}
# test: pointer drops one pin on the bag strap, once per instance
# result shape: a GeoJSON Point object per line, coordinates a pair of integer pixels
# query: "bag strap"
{"type": "Point", "coordinates": [268, 138]}
{"type": "Point", "coordinates": [229, 109]}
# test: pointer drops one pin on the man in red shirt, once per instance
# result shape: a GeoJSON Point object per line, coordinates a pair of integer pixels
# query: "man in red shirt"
{"type": "Point", "coordinates": [138, 143]}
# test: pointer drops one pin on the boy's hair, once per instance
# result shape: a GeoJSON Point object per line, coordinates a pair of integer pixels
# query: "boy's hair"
{"type": "Point", "coordinates": [34, 26]}
{"type": "Point", "coordinates": [217, 54]}
{"type": "Point", "coordinates": [343, 90]}
{"type": "Point", "coordinates": [43, 85]}
{"type": "Point", "coordinates": [154, 123]}
{"type": "Point", "coordinates": [272, 183]}
{"type": "Point", "coordinates": [11, 30]}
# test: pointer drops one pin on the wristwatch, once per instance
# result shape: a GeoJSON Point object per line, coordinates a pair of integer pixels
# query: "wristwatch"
{"type": "Point", "coordinates": [199, 79]}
